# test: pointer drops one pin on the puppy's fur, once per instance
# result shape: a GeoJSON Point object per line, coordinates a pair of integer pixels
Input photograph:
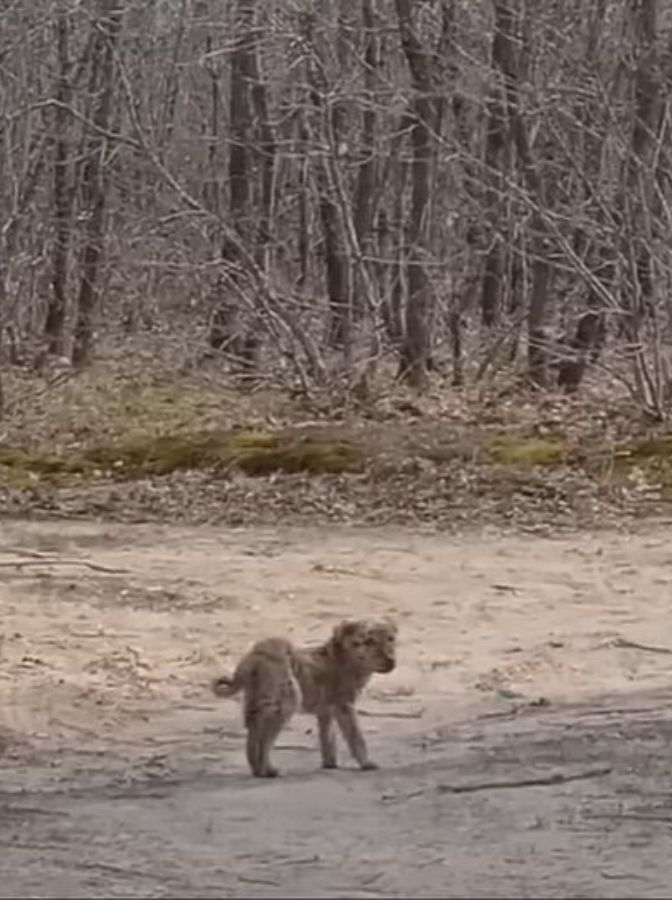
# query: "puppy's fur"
{"type": "Point", "coordinates": [279, 679]}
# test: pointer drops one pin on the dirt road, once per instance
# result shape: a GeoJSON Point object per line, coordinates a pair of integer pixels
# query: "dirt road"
{"type": "Point", "coordinates": [524, 737]}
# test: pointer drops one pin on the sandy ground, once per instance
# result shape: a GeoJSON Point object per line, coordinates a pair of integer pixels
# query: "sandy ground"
{"type": "Point", "coordinates": [519, 656]}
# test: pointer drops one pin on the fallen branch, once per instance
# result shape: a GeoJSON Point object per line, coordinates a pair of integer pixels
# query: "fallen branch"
{"type": "Point", "coordinates": [30, 845]}
{"type": "Point", "coordinates": [622, 876]}
{"type": "Point", "coordinates": [32, 554]}
{"type": "Point", "coordinates": [517, 709]}
{"type": "Point", "coordinates": [114, 870]}
{"type": "Point", "coordinates": [634, 645]}
{"type": "Point", "coordinates": [635, 817]}
{"type": "Point", "coordinates": [43, 561]}
{"type": "Point", "coordinates": [619, 711]}
{"type": "Point", "coordinates": [542, 780]}
{"type": "Point", "coordinates": [24, 811]}
{"type": "Point", "coordinates": [397, 798]}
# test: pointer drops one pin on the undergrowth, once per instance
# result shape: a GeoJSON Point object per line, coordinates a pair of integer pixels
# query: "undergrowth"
{"type": "Point", "coordinates": [103, 425]}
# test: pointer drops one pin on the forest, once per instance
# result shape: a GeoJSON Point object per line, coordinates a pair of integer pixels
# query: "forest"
{"type": "Point", "coordinates": [328, 188]}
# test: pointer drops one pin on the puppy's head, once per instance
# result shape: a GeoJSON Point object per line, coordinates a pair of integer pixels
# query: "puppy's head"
{"type": "Point", "coordinates": [369, 645]}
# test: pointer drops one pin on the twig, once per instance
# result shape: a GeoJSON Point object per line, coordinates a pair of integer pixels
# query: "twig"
{"type": "Point", "coordinates": [44, 561]}
{"type": "Point", "coordinates": [87, 634]}
{"type": "Point", "coordinates": [337, 570]}
{"type": "Point", "coordinates": [555, 778]}
{"type": "Point", "coordinates": [299, 860]}
{"type": "Point", "coordinates": [333, 570]}
{"type": "Point", "coordinates": [502, 714]}
{"type": "Point", "coordinates": [398, 798]}
{"type": "Point", "coordinates": [411, 714]}
{"type": "Point", "coordinates": [32, 554]}
{"type": "Point", "coordinates": [634, 645]}
{"type": "Point", "coordinates": [248, 879]}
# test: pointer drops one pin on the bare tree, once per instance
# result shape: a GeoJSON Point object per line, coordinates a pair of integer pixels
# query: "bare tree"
{"type": "Point", "coordinates": [63, 190]}
{"type": "Point", "coordinates": [495, 146]}
{"type": "Point", "coordinates": [416, 347]}
{"type": "Point", "coordinates": [228, 330]}
{"type": "Point", "coordinates": [94, 188]}
{"type": "Point", "coordinates": [324, 131]}
{"type": "Point", "coordinates": [365, 190]}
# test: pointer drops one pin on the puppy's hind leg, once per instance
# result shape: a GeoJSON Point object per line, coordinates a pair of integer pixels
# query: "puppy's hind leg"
{"type": "Point", "coordinates": [269, 726]}
{"type": "Point", "coordinates": [276, 714]}
{"type": "Point", "coordinates": [258, 715]}
{"type": "Point", "coordinates": [325, 722]}
{"type": "Point", "coordinates": [254, 754]}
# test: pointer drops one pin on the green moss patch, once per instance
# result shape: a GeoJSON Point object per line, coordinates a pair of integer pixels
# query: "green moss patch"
{"type": "Point", "coordinates": [659, 447]}
{"type": "Point", "coordinates": [253, 452]}
{"type": "Point", "coordinates": [653, 456]}
{"type": "Point", "coordinates": [21, 468]}
{"type": "Point", "coordinates": [517, 450]}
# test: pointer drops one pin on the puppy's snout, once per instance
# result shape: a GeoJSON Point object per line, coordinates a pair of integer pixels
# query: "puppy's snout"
{"type": "Point", "coordinates": [388, 664]}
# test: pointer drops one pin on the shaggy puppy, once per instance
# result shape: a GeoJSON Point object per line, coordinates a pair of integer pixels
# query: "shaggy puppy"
{"type": "Point", "coordinates": [279, 679]}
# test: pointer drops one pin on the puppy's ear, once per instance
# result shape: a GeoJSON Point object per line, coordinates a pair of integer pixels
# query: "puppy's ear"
{"type": "Point", "coordinates": [344, 630]}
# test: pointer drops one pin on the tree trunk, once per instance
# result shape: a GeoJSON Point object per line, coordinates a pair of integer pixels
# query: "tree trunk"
{"type": "Point", "coordinates": [228, 328]}
{"type": "Point", "coordinates": [303, 242]}
{"type": "Point", "coordinates": [588, 331]}
{"type": "Point", "coordinates": [540, 245]}
{"type": "Point", "coordinates": [94, 188]}
{"type": "Point", "coordinates": [62, 194]}
{"type": "Point", "coordinates": [240, 118]}
{"type": "Point", "coordinates": [366, 175]}
{"type": "Point", "coordinates": [537, 338]}
{"type": "Point", "coordinates": [415, 351]}
{"type": "Point", "coordinates": [395, 227]}
{"type": "Point", "coordinates": [337, 265]}
{"type": "Point", "coordinates": [211, 187]}
{"type": "Point", "coordinates": [266, 145]}
{"type": "Point", "coordinates": [640, 197]}
{"type": "Point", "coordinates": [495, 142]}
{"type": "Point", "coordinates": [172, 87]}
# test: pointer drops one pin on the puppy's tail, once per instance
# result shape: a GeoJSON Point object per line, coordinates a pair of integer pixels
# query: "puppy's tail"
{"type": "Point", "coordinates": [225, 686]}
{"type": "Point", "coordinates": [230, 685]}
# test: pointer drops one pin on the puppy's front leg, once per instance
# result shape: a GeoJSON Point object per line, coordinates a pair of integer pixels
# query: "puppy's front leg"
{"type": "Point", "coordinates": [347, 722]}
{"type": "Point", "coordinates": [325, 724]}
